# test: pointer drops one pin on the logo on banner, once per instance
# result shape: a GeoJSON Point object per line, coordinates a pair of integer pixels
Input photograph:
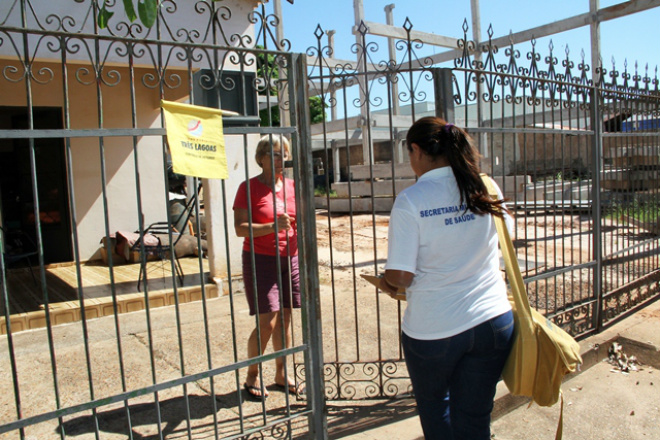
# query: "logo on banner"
{"type": "Point", "coordinates": [195, 127]}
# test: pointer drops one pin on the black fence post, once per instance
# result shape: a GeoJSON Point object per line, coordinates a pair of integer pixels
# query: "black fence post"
{"type": "Point", "coordinates": [443, 93]}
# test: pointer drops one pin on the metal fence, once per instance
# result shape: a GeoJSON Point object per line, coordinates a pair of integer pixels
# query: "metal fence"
{"type": "Point", "coordinates": [577, 158]}
{"type": "Point", "coordinates": [84, 156]}
{"type": "Point", "coordinates": [85, 160]}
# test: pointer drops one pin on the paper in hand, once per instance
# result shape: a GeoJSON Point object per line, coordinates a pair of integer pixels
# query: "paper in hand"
{"type": "Point", "coordinates": [399, 296]}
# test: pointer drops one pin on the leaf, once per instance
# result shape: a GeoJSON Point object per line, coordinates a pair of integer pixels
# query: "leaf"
{"type": "Point", "coordinates": [148, 11]}
{"type": "Point", "coordinates": [130, 10]}
{"type": "Point", "coordinates": [103, 17]}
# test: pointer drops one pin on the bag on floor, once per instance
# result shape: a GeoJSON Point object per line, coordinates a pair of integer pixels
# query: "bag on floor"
{"type": "Point", "coordinates": [542, 353]}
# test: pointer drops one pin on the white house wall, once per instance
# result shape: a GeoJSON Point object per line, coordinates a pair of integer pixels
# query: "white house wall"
{"type": "Point", "coordinates": [119, 158]}
{"type": "Point", "coordinates": [76, 17]}
{"type": "Point", "coordinates": [115, 101]}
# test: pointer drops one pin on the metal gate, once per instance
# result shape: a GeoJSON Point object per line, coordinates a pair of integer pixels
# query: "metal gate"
{"type": "Point", "coordinates": [585, 196]}
{"type": "Point", "coordinates": [141, 370]}
{"type": "Point", "coordinates": [578, 159]}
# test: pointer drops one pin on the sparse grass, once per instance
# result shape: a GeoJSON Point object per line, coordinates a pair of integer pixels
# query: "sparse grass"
{"type": "Point", "coordinates": [321, 192]}
{"type": "Point", "coordinates": [643, 212]}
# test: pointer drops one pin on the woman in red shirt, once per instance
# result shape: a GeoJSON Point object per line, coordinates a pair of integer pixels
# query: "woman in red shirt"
{"type": "Point", "coordinates": [264, 205]}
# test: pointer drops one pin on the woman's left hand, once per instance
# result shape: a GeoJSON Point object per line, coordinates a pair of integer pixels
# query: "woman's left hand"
{"type": "Point", "coordinates": [387, 288]}
{"type": "Point", "coordinates": [395, 282]}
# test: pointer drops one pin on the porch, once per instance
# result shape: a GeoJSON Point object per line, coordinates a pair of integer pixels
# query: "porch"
{"type": "Point", "coordinates": [27, 302]}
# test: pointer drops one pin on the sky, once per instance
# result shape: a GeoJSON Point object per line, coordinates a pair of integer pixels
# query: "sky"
{"type": "Point", "coordinates": [634, 38]}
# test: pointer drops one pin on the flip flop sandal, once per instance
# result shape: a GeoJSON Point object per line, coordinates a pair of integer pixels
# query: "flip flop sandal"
{"type": "Point", "coordinates": [256, 393]}
{"type": "Point", "coordinates": [298, 391]}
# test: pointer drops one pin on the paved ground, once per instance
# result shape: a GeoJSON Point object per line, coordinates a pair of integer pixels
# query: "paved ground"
{"type": "Point", "coordinates": [601, 402]}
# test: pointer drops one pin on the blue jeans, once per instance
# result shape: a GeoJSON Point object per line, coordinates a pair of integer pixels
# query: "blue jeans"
{"type": "Point", "coordinates": [454, 379]}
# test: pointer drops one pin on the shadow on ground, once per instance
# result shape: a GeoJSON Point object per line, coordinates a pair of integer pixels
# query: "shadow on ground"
{"type": "Point", "coordinates": [348, 419]}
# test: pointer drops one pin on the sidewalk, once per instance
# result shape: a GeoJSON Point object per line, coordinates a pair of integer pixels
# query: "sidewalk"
{"type": "Point", "coordinates": [600, 402]}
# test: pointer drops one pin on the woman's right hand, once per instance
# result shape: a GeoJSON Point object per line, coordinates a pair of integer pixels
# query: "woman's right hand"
{"type": "Point", "coordinates": [284, 222]}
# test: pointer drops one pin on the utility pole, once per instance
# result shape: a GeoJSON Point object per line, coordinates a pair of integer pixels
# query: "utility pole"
{"type": "Point", "coordinates": [594, 28]}
{"type": "Point", "coordinates": [394, 85]}
{"type": "Point", "coordinates": [476, 36]}
{"type": "Point", "coordinates": [389, 19]}
{"type": "Point", "coordinates": [285, 118]}
{"type": "Point", "coordinates": [334, 149]}
{"type": "Point", "coordinates": [333, 94]}
{"type": "Point", "coordinates": [367, 153]}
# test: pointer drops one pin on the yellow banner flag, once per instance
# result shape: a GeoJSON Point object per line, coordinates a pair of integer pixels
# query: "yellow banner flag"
{"type": "Point", "coordinates": [196, 140]}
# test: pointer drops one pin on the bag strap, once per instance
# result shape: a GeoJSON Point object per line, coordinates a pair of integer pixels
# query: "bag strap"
{"type": "Point", "coordinates": [518, 290]}
{"type": "Point", "coordinates": [560, 426]}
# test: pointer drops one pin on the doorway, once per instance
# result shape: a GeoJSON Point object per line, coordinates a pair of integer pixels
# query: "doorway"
{"type": "Point", "coordinates": [16, 188]}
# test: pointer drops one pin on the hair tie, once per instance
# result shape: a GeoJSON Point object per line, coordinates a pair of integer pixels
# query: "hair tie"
{"type": "Point", "coordinates": [447, 128]}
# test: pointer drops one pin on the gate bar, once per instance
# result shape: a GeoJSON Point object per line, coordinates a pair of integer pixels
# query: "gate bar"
{"type": "Point", "coordinates": [129, 132]}
{"type": "Point", "coordinates": [125, 396]}
{"type": "Point", "coordinates": [309, 275]}
{"type": "Point", "coordinates": [597, 146]}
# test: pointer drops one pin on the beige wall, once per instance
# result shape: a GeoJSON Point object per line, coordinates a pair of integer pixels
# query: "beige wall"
{"type": "Point", "coordinates": [118, 152]}
{"type": "Point", "coordinates": [116, 111]}
{"type": "Point", "coordinates": [119, 157]}
{"type": "Point", "coordinates": [218, 202]}
{"type": "Point", "coordinates": [180, 21]}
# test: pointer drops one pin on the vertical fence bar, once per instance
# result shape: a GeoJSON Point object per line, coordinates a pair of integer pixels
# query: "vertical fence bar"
{"type": "Point", "coordinates": [27, 65]}
{"type": "Point", "coordinates": [74, 222]}
{"type": "Point", "coordinates": [596, 207]}
{"type": "Point", "coordinates": [444, 93]}
{"type": "Point", "coordinates": [311, 317]}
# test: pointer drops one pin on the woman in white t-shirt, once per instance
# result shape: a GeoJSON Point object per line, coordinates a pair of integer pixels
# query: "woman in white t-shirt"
{"type": "Point", "coordinates": [443, 248]}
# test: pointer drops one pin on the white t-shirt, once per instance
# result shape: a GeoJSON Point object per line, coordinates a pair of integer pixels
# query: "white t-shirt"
{"type": "Point", "coordinates": [453, 254]}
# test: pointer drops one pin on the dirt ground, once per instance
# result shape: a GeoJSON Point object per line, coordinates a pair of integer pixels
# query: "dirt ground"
{"type": "Point", "coordinates": [544, 242]}
{"type": "Point", "coordinates": [351, 246]}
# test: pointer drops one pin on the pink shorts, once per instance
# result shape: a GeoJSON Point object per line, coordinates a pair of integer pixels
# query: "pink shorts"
{"type": "Point", "coordinates": [268, 292]}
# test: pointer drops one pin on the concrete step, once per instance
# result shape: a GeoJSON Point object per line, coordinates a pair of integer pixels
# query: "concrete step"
{"type": "Point", "coordinates": [560, 191]}
{"type": "Point", "coordinates": [630, 179]}
{"type": "Point", "coordinates": [382, 171]}
{"type": "Point", "coordinates": [367, 189]}
{"type": "Point", "coordinates": [363, 204]}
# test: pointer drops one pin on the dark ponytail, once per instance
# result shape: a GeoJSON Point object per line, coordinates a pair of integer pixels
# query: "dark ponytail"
{"type": "Point", "coordinates": [436, 138]}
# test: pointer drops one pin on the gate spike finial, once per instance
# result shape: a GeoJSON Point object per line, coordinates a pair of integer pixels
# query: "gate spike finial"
{"type": "Point", "coordinates": [407, 25]}
{"type": "Point", "coordinates": [318, 33]}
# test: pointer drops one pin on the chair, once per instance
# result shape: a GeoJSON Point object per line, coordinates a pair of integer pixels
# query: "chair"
{"type": "Point", "coordinates": [155, 242]}
{"type": "Point", "coordinates": [161, 231]}
{"type": "Point", "coordinates": [18, 249]}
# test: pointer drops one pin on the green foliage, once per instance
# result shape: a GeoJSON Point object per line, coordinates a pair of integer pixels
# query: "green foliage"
{"type": "Point", "coordinates": [316, 109]}
{"type": "Point", "coordinates": [321, 191]}
{"type": "Point", "coordinates": [104, 17]}
{"type": "Point", "coordinates": [130, 10]}
{"type": "Point", "coordinates": [147, 12]}
{"type": "Point", "coordinates": [268, 70]}
{"type": "Point", "coordinates": [270, 117]}
{"type": "Point", "coordinates": [643, 212]}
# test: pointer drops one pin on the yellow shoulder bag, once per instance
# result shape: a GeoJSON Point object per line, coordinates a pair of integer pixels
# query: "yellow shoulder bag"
{"type": "Point", "coordinates": [542, 353]}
